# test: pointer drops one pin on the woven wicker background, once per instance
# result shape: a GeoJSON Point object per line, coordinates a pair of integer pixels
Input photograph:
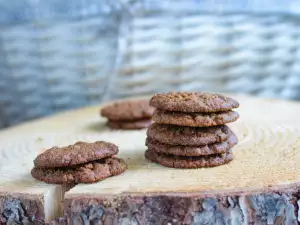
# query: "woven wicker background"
{"type": "Point", "coordinates": [232, 53]}
{"type": "Point", "coordinates": [48, 66]}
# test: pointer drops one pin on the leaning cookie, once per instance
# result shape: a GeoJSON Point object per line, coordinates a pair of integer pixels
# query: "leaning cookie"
{"type": "Point", "coordinates": [128, 110]}
{"type": "Point", "coordinates": [79, 153]}
{"type": "Point", "coordinates": [129, 125]}
{"type": "Point", "coordinates": [189, 162]}
{"type": "Point", "coordinates": [86, 173]}
{"type": "Point", "coordinates": [194, 119]}
{"type": "Point", "coordinates": [185, 150]}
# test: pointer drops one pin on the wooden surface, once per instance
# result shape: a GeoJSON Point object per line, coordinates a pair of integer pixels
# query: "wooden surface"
{"type": "Point", "coordinates": [266, 159]}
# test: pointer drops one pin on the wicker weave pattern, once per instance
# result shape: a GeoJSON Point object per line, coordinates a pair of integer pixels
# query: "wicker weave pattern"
{"type": "Point", "coordinates": [57, 66]}
{"type": "Point", "coordinates": [231, 53]}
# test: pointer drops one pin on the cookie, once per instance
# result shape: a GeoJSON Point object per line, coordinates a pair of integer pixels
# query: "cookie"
{"type": "Point", "coordinates": [193, 102]}
{"type": "Point", "coordinates": [183, 150]}
{"type": "Point", "coordinates": [129, 125]}
{"type": "Point", "coordinates": [195, 136]}
{"type": "Point", "coordinates": [80, 152]}
{"type": "Point", "coordinates": [194, 119]}
{"type": "Point", "coordinates": [128, 110]}
{"type": "Point", "coordinates": [184, 162]}
{"type": "Point", "coordinates": [85, 173]}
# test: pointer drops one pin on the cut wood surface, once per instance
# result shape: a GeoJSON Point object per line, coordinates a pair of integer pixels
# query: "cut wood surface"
{"type": "Point", "coordinates": [260, 186]}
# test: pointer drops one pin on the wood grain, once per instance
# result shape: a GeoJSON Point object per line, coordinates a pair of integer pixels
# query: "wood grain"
{"type": "Point", "coordinates": [260, 186]}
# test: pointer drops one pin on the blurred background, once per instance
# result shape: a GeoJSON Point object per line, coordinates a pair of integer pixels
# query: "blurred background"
{"type": "Point", "coordinates": [63, 54]}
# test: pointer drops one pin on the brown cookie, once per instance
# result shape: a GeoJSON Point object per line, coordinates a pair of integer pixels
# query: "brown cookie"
{"type": "Point", "coordinates": [185, 162]}
{"type": "Point", "coordinates": [85, 173]}
{"type": "Point", "coordinates": [80, 152]}
{"type": "Point", "coordinates": [129, 125]}
{"type": "Point", "coordinates": [195, 136]}
{"type": "Point", "coordinates": [183, 150]}
{"type": "Point", "coordinates": [194, 119]}
{"type": "Point", "coordinates": [193, 102]}
{"type": "Point", "coordinates": [128, 110]}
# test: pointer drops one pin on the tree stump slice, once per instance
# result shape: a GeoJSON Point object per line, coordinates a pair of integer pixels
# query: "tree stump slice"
{"type": "Point", "coordinates": [260, 186]}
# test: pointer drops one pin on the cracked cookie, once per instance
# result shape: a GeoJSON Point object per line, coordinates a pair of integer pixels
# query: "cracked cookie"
{"type": "Point", "coordinates": [184, 150]}
{"type": "Point", "coordinates": [185, 162]}
{"type": "Point", "coordinates": [86, 173]}
{"type": "Point", "coordinates": [129, 110]}
{"type": "Point", "coordinates": [128, 115]}
{"type": "Point", "coordinates": [193, 102]}
{"type": "Point", "coordinates": [195, 136]}
{"type": "Point", "coordinates": [80, 152]}
{"type": "Point", "coordinates": [194, 119]}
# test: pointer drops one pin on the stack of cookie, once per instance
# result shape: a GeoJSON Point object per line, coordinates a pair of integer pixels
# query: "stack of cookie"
{"type": "Point", "coordinates": [128, 115]}
{"type": "Point", "coordinates": [190, 131]}
{"type": "Point", "coordinates": [79, 163]}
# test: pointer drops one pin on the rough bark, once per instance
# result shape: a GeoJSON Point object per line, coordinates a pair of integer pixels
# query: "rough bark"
{"type": "Point", "coordinates": [21, 211]}
{"type": "Point", "coordinates": [268, 208]}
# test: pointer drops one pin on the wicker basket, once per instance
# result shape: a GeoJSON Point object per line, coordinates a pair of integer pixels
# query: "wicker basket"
{"type": "Point", "coordinates": [58, 61]}
{"type": "Point", "coordinates": [255, 54]}
{"type": "Point", "coordinates": [50, 63]}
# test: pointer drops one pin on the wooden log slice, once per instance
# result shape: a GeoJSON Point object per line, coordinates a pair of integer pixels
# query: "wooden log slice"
{"type": "Point", "coordinates": [260, 186]}
{"type": "Point", "coordinates": [23, 200]}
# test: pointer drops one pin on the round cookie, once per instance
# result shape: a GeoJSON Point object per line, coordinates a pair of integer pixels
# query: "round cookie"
{"type": "Point", "coordinates": [193, 102]}
{"type": "Point", "coordinates": [189, 162]}
{"type": "Point", "coordinates": [129, 125]}
{"type": "Point", "coordinates": [85, 173]}
{"type": "Point", "coordinates": [128, 110]}
{"type": "Point", "coordinates": [195, 136]}
{"type": "Point", "coordinates": [194, 119]}
{"type": "Point", "coordinates": [80, 152]}
{"type": "Point", "coordinates": [181, 150]}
